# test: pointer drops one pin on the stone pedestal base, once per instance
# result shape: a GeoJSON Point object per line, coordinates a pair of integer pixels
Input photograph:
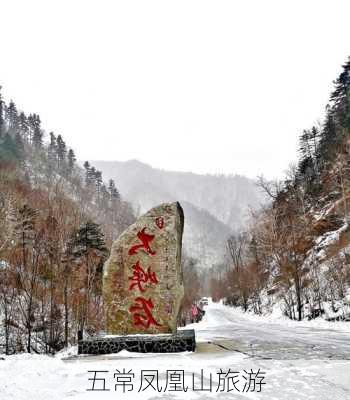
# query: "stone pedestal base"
{"type": "Point", "coordinates": [183, 340]}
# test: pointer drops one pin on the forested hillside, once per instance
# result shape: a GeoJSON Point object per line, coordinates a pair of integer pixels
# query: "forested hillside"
{"type": "Point", "coordinates": [57, 223]}
{"type": "Point", "coordinates": [296, 252]}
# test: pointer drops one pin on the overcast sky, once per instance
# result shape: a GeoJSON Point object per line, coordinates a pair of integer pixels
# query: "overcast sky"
{"type": "Point", "coordinates": [206, 86]}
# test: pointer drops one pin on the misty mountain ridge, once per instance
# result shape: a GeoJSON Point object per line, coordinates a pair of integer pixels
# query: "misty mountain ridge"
{"type": "Point", "coordinates": [214, 205]}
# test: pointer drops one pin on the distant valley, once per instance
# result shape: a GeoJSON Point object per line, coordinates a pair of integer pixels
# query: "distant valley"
{"type": "Point", "coordinates": [214, 205]}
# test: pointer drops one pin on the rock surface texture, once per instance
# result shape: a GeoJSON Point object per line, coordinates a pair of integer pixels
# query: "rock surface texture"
{"type": "Point", "coordinates": [142, 280]}
{"type": "Point", "coordinates": [183, 340]}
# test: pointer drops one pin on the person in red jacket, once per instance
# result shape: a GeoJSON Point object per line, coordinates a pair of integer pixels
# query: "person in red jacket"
{"type": "Point", "coordinates": [194, 313]}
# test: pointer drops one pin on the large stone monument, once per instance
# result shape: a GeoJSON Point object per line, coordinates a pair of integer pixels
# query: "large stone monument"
{"type": "Point", "coordinates": [143, 287]}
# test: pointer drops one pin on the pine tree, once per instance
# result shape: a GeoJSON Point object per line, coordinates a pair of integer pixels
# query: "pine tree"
{"type": "Point", "coordinates": [98, 181]}
{"type": "Point", "coordinates": [87, 173]}
{"type": "Point", "coordinates": [326, 149]}
{"type": "Point", "coordinates": [12, 118]}
{"type": "Point", "coordinates": [88, 237]}
{"type": "Point", "coordinates": [37, 134]}
{"type": "Point", "coordinates": [52, 149]}
{"type": "Point", "coordinates": [88, 246]}
{"type": "Point", "coordinates": [113, 191]}
{"type": "Point", "coordinates": [308, 142]}
{"type": "Point", "coordinates": [23, 126]}
{"type": "Point", "coordinates": [104, 198]}
{"type": "Point", "coordinates": [111, 186]}
{"type": "Point", "coordinates": [341, 96]}
{"type": "Point", "coordinates": [71, 161]}
{"type": "Point", "coordinates": [61, 151]}
{"type": "Point", "coordinates": [92, 175]}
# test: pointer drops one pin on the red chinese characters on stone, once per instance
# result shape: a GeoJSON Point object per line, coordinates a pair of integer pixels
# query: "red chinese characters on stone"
{"type": "Point", "coordinates": [145, 240]}
{"type": "Point", "coordinates": [142, 312]}
{"type": "Point", "coordinates": [160, 222]}
{"type": "Point", "coordinates": [142, 308]}
{"type": "Point", "coordinates": [141, 276]}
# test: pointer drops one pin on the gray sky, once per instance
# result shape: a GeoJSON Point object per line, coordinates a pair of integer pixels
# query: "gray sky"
{"type": "Point", "coordinates": [207, 86]}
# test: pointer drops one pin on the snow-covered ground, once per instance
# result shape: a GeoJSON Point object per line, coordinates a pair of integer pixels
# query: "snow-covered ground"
{"type": "Point", "coordinates": [297, 360]}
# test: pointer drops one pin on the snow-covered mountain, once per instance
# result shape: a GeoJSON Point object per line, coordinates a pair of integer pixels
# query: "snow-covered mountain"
{"type": "Point", "coordinates": [214, 205]}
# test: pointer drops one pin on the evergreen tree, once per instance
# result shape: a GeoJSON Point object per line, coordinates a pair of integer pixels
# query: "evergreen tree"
{"type": "Point", "coordinates": [23, 126]}
{"type": "Point", "coordinates": [341, 96]}
{"type": "Point", "coordinates": [92, 175]}
{"type": "Point", "coordinates": [88, 237]}
{"type": "Point", "coordinates": [113, 191]}
{"type": "Point", "coordinates": [87, 173]}
{"type": "Point", "coordinates": [104, 197]}
{"type": "Point", "coordinates": [12, 118]}
{"type": "Point", "coordinates": [328, 140]}
{"type": "Point", "coordinates": [37, 134]}
{"type": "Point", "coordinates": [88, 246]}
{"type": "Point", "coordinates": [308, 147]}
{"type": "Point", "coordinates": [52, 149]}
{"type": "Point", "coordinates": [98, 181]}
{"type": "Point", "coordinates": [71, 160]}
{"type": "Point", "coordinates": [61, 151]}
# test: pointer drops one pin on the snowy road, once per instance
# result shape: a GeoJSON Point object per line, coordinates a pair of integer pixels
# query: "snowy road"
{"type": "Point", "coordinates": [299, 361]}
{"type": "Point", "coordinates": [272, 340]}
